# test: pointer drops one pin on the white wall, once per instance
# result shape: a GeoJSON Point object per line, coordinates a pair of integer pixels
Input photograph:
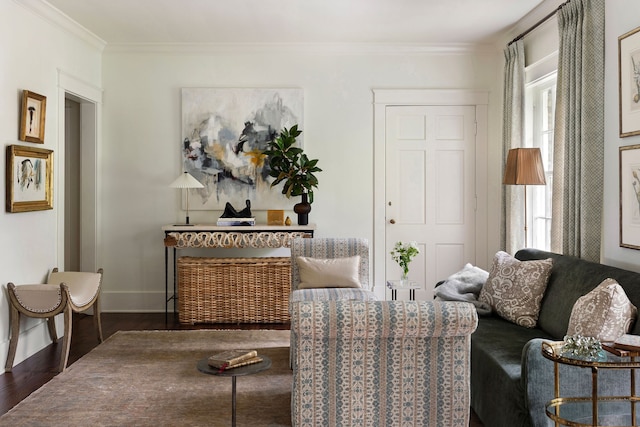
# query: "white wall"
{"type": "Point", "coordinates": [32, 51]}
{"type": "Point", "coordinates": [142, 137]}
{"type": "Point", "coordinates": [621, 17]}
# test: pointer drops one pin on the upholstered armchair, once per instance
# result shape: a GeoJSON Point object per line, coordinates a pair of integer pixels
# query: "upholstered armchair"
{"type": "Point", "coordinates": [382, 363]}
{"type": "Point", "coordinates": [65, 292]}
{"type": "Point", "coordinates": [331, 249]}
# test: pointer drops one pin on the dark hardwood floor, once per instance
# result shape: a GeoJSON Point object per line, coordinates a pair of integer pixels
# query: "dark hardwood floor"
{"type": "Point", "coordinates": [37, 370]}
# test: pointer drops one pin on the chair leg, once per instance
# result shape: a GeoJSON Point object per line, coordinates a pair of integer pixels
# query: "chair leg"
{"type": "Point", "coordinates": [96, 318]}
{"type": "Point", "coordinates": [51, 323]}
{"type": "Point", "coordinates": [66, 339]}
{"type": "Point", "coordinates": [15, 333]}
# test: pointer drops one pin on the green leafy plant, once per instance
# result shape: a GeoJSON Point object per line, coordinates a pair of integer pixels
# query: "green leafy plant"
{"type": "Point", "coordinates": [403, 254]}
{"type": "Point", "coordinates": [290, 165]}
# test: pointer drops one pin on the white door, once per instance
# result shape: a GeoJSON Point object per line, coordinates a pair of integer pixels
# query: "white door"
{"type": "Point", "coordinates": [430, 190]}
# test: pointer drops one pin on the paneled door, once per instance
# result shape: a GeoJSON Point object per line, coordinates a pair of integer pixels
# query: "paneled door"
{"type": "Point", "coordinates": [430, 190]}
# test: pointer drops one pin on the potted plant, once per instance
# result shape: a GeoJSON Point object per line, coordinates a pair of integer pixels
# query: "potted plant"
{"type": "Point", "coordinates": [293, 168]}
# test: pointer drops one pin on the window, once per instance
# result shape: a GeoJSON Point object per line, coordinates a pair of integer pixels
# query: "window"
{"type": "Point", "coordinates": [540, 99]}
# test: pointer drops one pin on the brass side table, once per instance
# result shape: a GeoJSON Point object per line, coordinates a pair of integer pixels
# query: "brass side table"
{"type": "Point", "coordinates": [570, 411]}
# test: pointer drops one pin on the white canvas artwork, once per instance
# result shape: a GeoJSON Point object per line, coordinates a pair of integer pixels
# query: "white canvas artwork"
{"type": "Point", "coordinates": [225, 132]}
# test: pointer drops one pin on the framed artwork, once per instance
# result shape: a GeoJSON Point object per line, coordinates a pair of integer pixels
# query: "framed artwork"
{"type": "Point", "coordinates": [29, 179]}
{"type": "Point", "coordinates": [224, 134]}
{"type": "Point", "coordinates": [630, 196]}
{"type": "Point", "coordinates": [629, 82]}
{"type": "Point", "coordinates": [32, 118]}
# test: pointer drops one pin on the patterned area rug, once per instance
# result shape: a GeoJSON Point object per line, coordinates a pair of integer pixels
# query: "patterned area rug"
{"type": "Point", "coordinates": [149, 378]}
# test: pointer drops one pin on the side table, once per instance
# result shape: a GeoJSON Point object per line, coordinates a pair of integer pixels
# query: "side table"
{"type": "Point", "coordinates": [203, 366]}
{"type": "Point", "coordinates": [394, 285]}
{"type": "Point", "coordinates": [583, 411]}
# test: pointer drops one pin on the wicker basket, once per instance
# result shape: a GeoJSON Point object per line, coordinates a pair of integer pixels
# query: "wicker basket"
{"type": "Point", "coordinates": [233, 290]}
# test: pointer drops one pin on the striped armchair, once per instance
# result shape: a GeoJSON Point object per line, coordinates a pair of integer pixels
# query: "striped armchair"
{"type": "Point", "coordinates": [326, 248]}
{"type": "Point", "coordinates": [382, 363]}
{"type": "Point", "coordinates": [331, 248]}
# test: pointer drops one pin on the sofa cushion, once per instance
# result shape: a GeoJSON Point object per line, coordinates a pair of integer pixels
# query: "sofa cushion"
{"type": "Point", "coordinates": [514, 288]}
{"type": "Point", "coordinates": [328, 272]}
{"type": "Point", "coordinates": [604, 313]}
{"type": "Point", "coordinates": [496, 354]}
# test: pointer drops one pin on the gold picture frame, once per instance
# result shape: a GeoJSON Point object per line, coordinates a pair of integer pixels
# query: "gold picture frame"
{"type": "Point", "coordinates": [629, 82]}
{"type": "Point", "coordinates": [34, 111]}
{"type": "Point", "coordinates": [630, 196]}
{"type": "Point", "coordinates": [29, 183]}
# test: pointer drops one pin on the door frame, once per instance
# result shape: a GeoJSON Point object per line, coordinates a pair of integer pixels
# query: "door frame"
{"type": "Point", "coordinates": [90, 98]}
{"type": "Point", "coordinates": [384, 98]}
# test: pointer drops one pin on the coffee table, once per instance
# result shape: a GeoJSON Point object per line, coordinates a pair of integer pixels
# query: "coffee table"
{"type": "Point", "coordinates": [203, 366]}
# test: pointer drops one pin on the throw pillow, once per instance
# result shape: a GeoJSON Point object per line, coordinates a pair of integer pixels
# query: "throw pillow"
{"type": "Point", "coordinates": [514, 288]}
{"type": "Point", "coordinates": [328, 273]}
{"type": "Point", "coordinates": [604, 313]}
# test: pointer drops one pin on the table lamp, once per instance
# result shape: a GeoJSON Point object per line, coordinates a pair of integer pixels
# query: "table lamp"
{"type": "Point", "coordinates": [186, 181]}
{"type": "Point", "coordinates": [524, 167]}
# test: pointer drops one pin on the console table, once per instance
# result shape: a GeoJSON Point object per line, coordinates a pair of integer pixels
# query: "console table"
{"type": "Point", "coordinates": [211, 236]}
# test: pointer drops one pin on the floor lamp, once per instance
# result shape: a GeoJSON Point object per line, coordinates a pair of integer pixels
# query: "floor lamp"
{"type": "Point", "coordinates": [524, 167]}
{"type": "Point", "coordinates": [187, 181]}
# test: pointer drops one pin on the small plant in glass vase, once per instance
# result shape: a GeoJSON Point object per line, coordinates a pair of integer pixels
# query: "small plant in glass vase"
{"type": "Point", "coordinates": [403, 253]}
{"type": "Point", "coordinates": [290, 166]}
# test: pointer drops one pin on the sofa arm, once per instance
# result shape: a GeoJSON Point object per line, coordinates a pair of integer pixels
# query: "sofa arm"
{"type": "Point", "coordinates": [538, 384]}
{"type": "Point", "coordinates": [383, 319]}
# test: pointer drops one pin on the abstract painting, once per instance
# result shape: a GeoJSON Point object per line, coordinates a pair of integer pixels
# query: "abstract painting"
{"type": "Point", "coordinates": [225, 132]}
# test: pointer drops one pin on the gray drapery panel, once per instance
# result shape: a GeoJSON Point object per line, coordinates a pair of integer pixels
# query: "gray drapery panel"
{"type": "Point", "coordinates": [512, 232]}
{"type": "Point", "coordinates": [578, 168]}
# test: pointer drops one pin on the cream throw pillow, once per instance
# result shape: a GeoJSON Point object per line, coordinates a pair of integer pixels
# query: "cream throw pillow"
{"type": "Point", "coordinates": [604, 313]}
{"type": "Point", "coordinates": [328, 273]}
{"type": "Point", "coordinates": [514, 288]}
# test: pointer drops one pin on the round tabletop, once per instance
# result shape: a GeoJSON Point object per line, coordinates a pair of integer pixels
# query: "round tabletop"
{"type": "Point", "coordinates": [203, 366]}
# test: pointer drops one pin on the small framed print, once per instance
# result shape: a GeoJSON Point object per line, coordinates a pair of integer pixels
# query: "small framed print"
{"type": "Point", "coordinates": [33, 116]}
{"type": "Point", "coordinates": [29, 179]}
{"type": "Point", "coordinates": [630, 196]}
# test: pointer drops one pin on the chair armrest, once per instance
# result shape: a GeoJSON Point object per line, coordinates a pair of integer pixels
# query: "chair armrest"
{"type": "Point", "coordinates": [383, 319]}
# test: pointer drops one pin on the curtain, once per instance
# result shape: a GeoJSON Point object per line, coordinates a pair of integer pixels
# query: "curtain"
{"type": "Point", "coordinates": [512, 232]}
{"type": "Point", "coordinates": [578, 163]}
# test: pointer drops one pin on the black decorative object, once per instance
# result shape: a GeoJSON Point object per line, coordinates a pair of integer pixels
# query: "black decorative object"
{"type": "Point", "coordinates": [230, 212]}
{"type": "Point", "coordinates": [302, 209]}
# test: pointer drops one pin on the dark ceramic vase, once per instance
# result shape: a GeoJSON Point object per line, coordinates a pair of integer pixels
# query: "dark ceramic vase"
{"type": "Point", "coordinates": [302, 209]}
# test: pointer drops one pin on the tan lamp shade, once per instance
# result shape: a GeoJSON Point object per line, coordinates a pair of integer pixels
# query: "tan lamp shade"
{"type": "Point", "coordinates": [524, 167]}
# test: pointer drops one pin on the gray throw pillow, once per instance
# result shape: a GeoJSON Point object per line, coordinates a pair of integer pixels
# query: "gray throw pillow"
{"type": "Point", "coordinates": [514, 288]}
{"type": "Point", "coordinates": [604, 313]}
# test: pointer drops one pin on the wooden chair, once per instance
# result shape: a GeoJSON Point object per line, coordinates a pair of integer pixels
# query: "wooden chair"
{"type": "Point", "coordinates": [65, 292]}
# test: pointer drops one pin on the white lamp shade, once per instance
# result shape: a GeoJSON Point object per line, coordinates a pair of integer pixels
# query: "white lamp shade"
{"type": "Point", "coordinates": [186, 180]}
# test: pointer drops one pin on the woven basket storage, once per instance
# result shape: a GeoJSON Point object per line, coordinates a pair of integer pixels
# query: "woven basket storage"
{"type": "Point", "coordinates": [233, 290]}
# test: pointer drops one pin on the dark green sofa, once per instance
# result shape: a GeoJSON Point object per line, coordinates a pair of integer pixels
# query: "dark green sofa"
{"type": "Point", "coordinates": [510, 379]}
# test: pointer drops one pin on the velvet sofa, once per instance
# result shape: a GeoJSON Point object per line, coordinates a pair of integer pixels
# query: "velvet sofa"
{"type": "Point", "coordinates": [510, 379]}
{"type": "Point", "coordinates": [381, 363]}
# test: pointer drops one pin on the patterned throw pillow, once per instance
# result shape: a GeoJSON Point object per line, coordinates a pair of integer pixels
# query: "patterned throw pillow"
{"type": "Point", "coordinates": [329, 273]}
{"type": "Point", "coordinates": [604, 313]}
{"type": "Point", "coordinates": [515, 288]}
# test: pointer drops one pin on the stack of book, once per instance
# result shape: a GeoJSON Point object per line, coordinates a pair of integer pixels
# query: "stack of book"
{"type": "Point", "coordinates": [223, 222]}
{"type": "Point", "coordinates": [234, 359]}
{"type": "Point", "coordinates": [626, 345]}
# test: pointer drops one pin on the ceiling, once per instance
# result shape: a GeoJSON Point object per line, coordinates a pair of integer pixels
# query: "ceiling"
{"type": "Point", "coordinates": [296, 21]}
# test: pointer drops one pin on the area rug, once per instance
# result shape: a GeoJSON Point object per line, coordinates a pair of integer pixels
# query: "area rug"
{"type": "Point", "coordinates": [149, 378]}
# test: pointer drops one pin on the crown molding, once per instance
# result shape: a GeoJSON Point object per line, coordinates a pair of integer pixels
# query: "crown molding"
{"type": "Point", "coordinates": [49, 13]}
{"type": "Point", "coordinates": [301, 48]}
